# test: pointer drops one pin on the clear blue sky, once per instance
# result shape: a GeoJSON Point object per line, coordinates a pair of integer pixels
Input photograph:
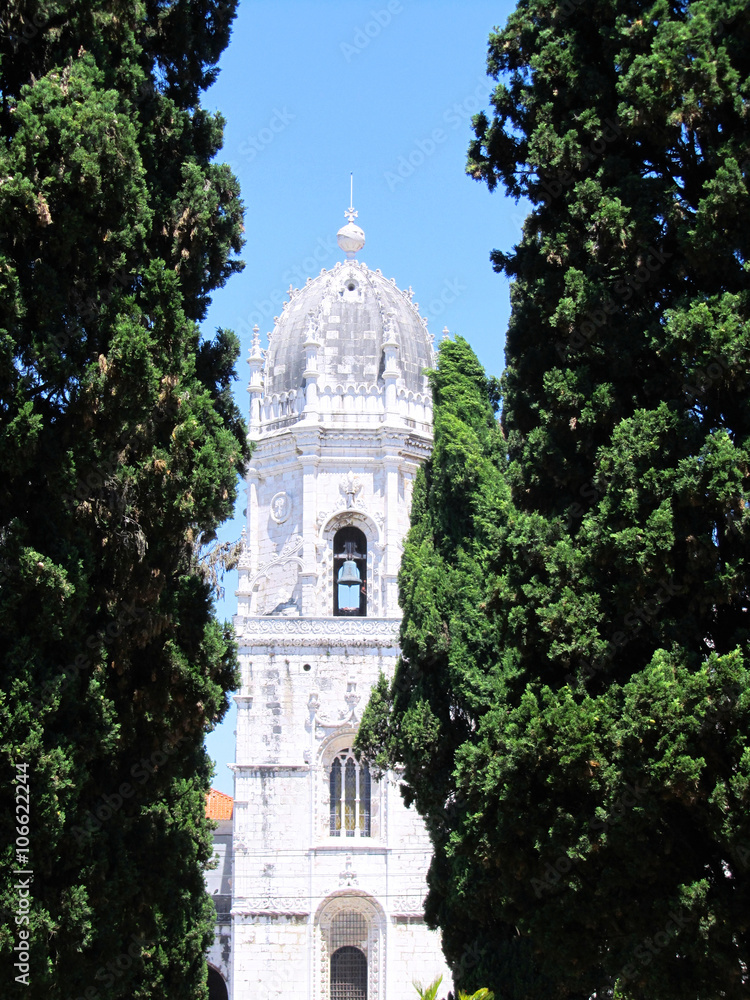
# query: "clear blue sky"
{"type": "Point", "coordinates": [313, 90]}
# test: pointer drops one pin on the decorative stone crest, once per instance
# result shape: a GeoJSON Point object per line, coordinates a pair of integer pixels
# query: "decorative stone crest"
{"type": "Point", "coordinates": [350, 486]}
{"type": "Point", "coordinates": [347, 876]}
{"type": "Point", "coordinates": [348, 716]}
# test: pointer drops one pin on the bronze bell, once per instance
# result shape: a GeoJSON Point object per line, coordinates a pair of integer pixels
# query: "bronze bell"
{"type": "Point", "coordinates": [349, 575]}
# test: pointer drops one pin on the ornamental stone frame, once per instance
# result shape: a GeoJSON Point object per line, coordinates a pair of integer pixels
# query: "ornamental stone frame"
{"type": "Point", "coordinates": [364, 905]}
{"type": "Point", "coordinates": [370, 529]}
{"type": "Point", "coordinates": [329, 749]}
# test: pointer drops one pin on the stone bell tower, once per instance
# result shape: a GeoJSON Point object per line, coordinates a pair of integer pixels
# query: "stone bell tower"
{"type": "Point", "coordinates": [328, 864]}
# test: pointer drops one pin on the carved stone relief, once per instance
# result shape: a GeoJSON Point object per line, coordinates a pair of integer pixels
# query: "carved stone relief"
{"type": "Point", "coordinates": [281, 507]}
{"type": "Point", "coordinates": [276, 583]}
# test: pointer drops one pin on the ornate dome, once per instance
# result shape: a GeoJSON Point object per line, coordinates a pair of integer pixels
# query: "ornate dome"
{"type": "Point", "coordinates": [350, 312]}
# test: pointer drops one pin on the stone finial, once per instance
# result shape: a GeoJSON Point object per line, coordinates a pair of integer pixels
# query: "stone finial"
{"type": "Point", "coordinates": [256, 351]}
{"type": "Point", "coordinates": [350, 237]}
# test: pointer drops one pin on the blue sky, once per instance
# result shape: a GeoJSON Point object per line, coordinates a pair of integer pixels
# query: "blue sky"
{"type": "Point", "coordinates": [314, 90]}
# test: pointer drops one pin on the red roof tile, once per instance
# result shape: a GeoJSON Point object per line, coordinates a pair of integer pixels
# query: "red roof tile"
{"type": "Point", "coordinates": [218, 805]}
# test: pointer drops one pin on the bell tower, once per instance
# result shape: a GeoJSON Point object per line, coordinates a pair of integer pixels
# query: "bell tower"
{"type": "Point", "coordinates": [329, 865]}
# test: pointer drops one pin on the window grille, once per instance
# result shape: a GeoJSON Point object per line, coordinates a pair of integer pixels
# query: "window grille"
{"type": "Point", "coordinates": [348, 974]}
{"type": "Point", "coordinates": [349, 928]}
{"type": "Point", "coordinates": [350, 796]}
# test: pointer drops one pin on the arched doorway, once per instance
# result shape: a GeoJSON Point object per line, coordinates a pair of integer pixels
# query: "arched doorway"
{"type": "Point", "coordinates": [217, 988]}
{"type": "Point", "coordinates": [348, 974]}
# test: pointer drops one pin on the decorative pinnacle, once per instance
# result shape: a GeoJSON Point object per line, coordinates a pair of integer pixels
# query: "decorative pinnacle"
{"type": "Point", "coordinates": [350, 237]}
{"type": "Point", "coordinates": [350, 214]}
{"type": "Point", "coordinates": [256, 351]}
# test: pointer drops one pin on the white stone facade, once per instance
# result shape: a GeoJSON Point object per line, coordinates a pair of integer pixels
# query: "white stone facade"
{"type": "Point", "coordinates": [328, 864]}
{"type": "Point", "coordinates": [219, 888]}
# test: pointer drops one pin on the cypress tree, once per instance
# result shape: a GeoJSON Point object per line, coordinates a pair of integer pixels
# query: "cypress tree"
{"type": "Point", "coordinates": [120, 447]}
{"type": "Point", "coordinates": [601, 794]}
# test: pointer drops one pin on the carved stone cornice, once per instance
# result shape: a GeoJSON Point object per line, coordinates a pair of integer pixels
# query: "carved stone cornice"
{"type": "Point", "coordinates": [265, 905]}
{"type": "Point", "coordinates": [408, 905]}
{"type": "Point", "coordinates": [273, 631]}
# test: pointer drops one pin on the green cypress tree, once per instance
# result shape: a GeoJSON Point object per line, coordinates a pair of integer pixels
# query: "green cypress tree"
{"type": "Point", "coordinates": [120, 447]}
{"type": "Point", "coordinates": [603, 789]}
{"type": "Point", "coordinates": [451, 633]}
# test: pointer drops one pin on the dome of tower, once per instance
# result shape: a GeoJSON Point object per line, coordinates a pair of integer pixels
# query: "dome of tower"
{"type": "Point", "coordinates": [350, 312]}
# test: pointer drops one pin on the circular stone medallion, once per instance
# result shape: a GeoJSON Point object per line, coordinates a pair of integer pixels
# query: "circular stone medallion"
{"type": "Point", "coordinates": [281, 507]}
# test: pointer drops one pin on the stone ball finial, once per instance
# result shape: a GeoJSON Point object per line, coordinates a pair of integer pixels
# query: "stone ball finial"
{"type": "Point", "coordinates": [351, 239]}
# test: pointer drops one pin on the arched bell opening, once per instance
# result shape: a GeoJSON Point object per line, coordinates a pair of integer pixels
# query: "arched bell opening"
{"type": "Point", "coordinates": [350, 573]}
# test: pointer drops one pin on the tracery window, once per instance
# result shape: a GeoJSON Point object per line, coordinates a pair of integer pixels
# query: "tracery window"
{"type": "Point", "coordinates": [350, 572]}
{"type": "Point", "coordinates": [350, 796]}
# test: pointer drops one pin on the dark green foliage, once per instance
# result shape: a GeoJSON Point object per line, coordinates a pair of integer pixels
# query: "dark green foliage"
{"type": "Point", "coordinates": [120, 447]}
{"type": "Point", "coordinates": [572, 708]}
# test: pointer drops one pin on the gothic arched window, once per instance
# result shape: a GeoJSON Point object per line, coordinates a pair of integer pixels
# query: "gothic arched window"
{"type": "Point", "coordinates": [350, 796]}
{"type": "Point", "coordinates": [348, 974]}
{"type": "Point", "coordinates": [350, 572]}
